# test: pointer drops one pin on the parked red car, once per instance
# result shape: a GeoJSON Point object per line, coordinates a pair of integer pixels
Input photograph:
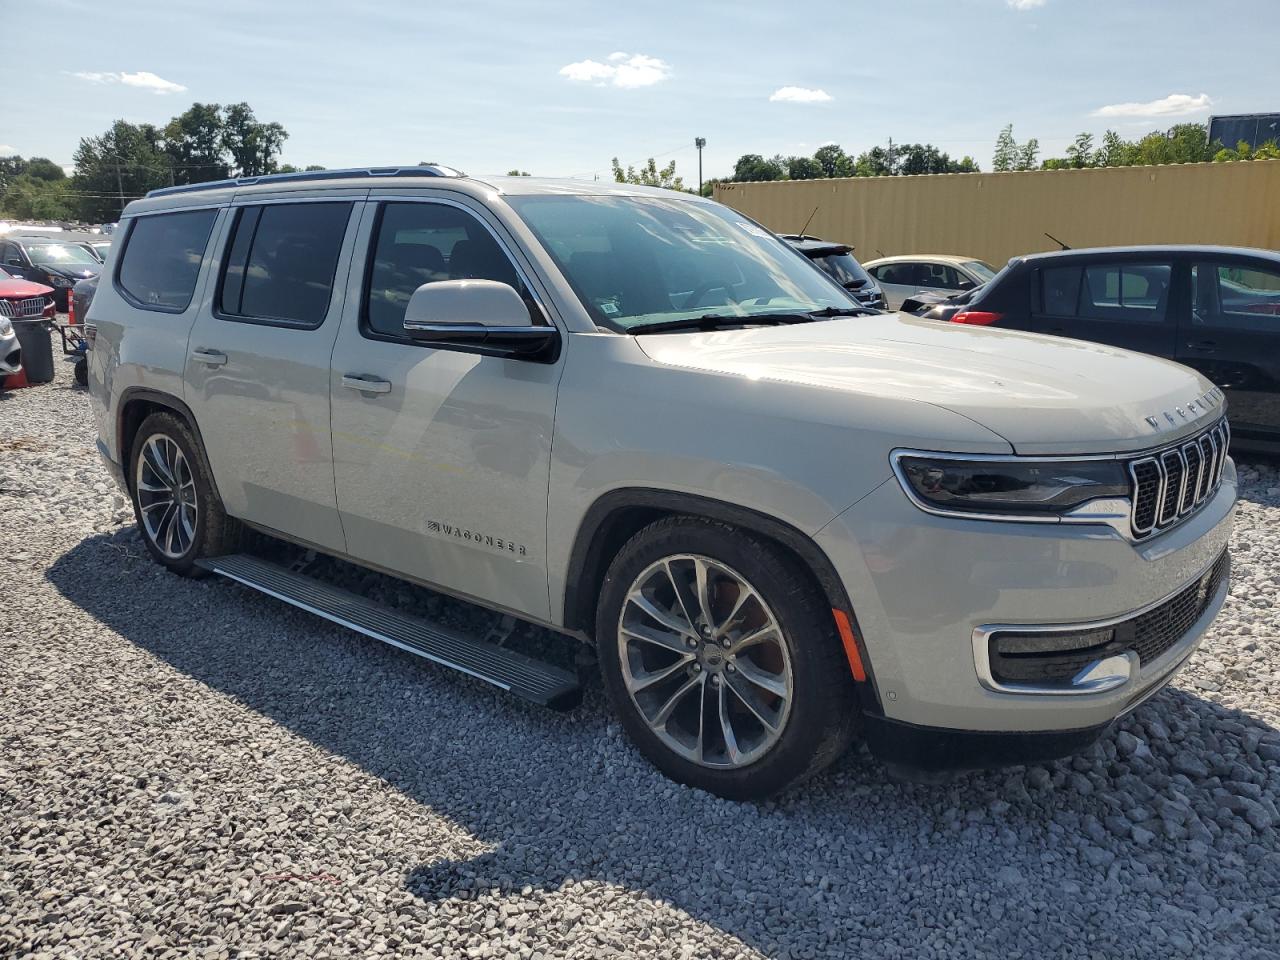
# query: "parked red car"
{"type": "Point", "coordinates": [22, 299]}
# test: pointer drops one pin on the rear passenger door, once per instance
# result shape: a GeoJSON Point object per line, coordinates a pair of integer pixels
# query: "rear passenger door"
{"type": "Point", "coordinates": [1124, 303]}
{"type": "Point", "coordinates": [258, 361]}
{"type": "Point", "coordinates": [442, 456]}
{"type": "Point", "coordinates": [1231, 334]}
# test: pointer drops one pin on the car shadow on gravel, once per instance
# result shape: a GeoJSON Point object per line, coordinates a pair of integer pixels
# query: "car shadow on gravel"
{"type": "Point", "coordinates": [1171, 814]}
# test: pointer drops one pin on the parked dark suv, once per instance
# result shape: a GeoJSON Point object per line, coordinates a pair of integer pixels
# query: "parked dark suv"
{"type": "Point", "coordinates": [50, 260]}
{"type": "Point", "coordinates": [1216, 309]}
{"type": "Point", "coordinates": [837, 259]}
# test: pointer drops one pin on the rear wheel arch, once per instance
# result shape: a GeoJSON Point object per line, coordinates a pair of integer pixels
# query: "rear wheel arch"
{"type": "Point", "coordinates": [138, 403]}
{"type": "Point", "coordinates": [618, 515]}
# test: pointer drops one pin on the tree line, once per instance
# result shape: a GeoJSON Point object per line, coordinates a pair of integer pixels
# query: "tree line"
{"type": "Point", "coordinates": [208, 141]}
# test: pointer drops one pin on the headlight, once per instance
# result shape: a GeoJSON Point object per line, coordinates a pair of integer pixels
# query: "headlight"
{"type": "Point", "coordinates": [1034, 487]}
{"type": "Point", "coordinates": [57, 281]}
{"type": "Point", "coordinates": [6, 327]}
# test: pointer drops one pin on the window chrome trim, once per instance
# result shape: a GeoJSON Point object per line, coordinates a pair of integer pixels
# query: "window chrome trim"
{"type": "Point", "coordinates": [982, 644]}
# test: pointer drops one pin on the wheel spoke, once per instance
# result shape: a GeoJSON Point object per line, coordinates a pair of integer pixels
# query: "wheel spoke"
{"type": "Point", "coordinates": [149, 488]}
{"type": "Point", "coordinates": [726, 726]}
{"type": "Point", "coordinates": [668, 620]}
{"type": "Point", "coordinates": [664, 713]}
{"type": "Point", "coordinates": [749, 700]}
{"type": "Point", "coordinates": [761, 678]}
{"type": "Point", "coordinates": [745, 593]}
{"type": "Point", "coordinates": [768, 631]}
{"type": "Point", "coordinates": [155, 504]}
{"type": "Point", "coordinates": [700, 573]}
{"type": "Point", "coordinates": [643, 681]}
{"type": "Point", "coordinates": [679, 590]}
{"type": "Point", "coordinates": [156, 461]}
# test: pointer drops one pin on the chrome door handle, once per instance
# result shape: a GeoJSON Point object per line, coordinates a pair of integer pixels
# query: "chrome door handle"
{"type": "Point", "coordinates": [366, 384]}
{"type": "Point", "coordinates": [214, 358]}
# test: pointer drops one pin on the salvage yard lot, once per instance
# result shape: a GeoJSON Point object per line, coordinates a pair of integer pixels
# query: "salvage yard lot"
{"type": "Point", "coordinates": [189, 767]}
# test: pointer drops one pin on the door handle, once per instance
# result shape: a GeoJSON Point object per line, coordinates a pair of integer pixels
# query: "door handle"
{"type": "Point", "coordinates": [1203, 346]}
{"type": "Point", "coordinates": [366, 384]}
{"type": "Point", "coordinates": [213, 358]}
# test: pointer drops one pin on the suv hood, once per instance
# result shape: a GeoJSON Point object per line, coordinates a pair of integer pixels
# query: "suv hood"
{"type": "Point", "coordinates": [1044, 395]}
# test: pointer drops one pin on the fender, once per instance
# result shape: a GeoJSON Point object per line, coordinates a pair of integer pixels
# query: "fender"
{"type": "Point", "coordinates": [158, 399]}
{"type": "Point", "coordinates": [618, 514]}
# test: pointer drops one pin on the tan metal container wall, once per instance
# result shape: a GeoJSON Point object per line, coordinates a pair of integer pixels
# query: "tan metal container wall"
{"type": "Point", "coordinates": [995, 216]}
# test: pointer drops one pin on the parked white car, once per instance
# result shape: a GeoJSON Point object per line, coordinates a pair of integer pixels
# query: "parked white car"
{"type": "Point", "coordinates": [637, 417]}
{"type": "Point", "coordinates": [904, 276]}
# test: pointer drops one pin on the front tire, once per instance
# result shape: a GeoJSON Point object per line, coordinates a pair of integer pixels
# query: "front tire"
{"type": "Point", "coordinates": [177, 510]}
{"type": "Point", "coordinates": [721, 659]}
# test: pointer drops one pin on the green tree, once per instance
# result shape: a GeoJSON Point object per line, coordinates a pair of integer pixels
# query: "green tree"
{"type": "Point", "coordinates": [1114, 152]}
{"type": "Point", "coordinates": [1006, 153]}
{"type": "Point", "coordinates": [125, 162]}
{"type": "Point", "coordinates": [834, 161]}
{"type": "Point", "coordinates": [194, 144]}
{"type": "Point", "coordinates": [1028, 153]}
{"type": "Point", "coordinates": [1080, 153]}
{"type": "Point", "coordinates": [875, 162]}
{"type": "Point", "coordinates": [28, 197]}
{"type": "Point", "coordinates": [753, 167]}
{"type": "Point", "coordinates": [44, 169]}
{"type": "Point", "coordinates": [649, 175]}
{"type": "Point", "coordinates": [253, 145]}
{"type": "Point", "coordinates": [517, 173]}
{"type": "Point", "coordinates": [803, 168]}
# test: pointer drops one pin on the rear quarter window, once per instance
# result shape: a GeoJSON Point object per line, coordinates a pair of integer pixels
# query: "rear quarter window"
{"type": "Point", "coordinates": [161, 258]}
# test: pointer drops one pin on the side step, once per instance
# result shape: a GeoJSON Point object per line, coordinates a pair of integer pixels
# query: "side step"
{"type": "Point", "coordinates": [507, 670]}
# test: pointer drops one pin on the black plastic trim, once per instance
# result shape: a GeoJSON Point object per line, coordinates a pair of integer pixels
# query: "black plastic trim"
{"type": "Point", "coordinates": [935, 749]}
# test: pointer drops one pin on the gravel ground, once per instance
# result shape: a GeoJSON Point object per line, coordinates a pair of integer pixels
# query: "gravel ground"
{"type": "Point", "coordinates": [190, 769]}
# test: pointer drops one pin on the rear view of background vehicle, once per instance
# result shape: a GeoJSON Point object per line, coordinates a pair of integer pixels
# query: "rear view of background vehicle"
{"type": "Point", "coordinates": [1216, 309]}
{"type": "Point", "coordinates": [838, 260]}
{"type": "Point", "coordinates": [901, 277]}
{"type": "Point", "coordinates": [629, 415]}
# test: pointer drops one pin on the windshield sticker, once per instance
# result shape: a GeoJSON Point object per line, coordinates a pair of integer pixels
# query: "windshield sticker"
{"type": "Point", "coordinates": [607, 306]}
{"type": "Point", "coordinates": [752, 229]}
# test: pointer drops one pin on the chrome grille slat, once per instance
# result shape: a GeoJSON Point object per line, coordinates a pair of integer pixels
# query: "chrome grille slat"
{"type": "Point", "coordinates": [17, 309]}
{"type": "Point", "coordinates": [1170, 483]}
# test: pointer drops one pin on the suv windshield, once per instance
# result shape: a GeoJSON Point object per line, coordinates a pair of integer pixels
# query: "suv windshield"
{"type": "Point", "coordinates": [52, 254]}
{"type": "Point", "coordinates": [639, 261]}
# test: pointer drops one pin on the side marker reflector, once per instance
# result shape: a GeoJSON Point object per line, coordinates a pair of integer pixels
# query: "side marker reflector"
{"type": "Point", "coordinates": [850, 645]}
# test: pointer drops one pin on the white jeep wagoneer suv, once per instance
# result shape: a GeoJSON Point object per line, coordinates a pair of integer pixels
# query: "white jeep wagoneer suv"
{"type": "Point", "coordinates": [637, 417]}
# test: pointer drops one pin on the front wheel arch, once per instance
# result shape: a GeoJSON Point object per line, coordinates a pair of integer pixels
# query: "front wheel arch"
{"type": "Point", "coordinates": [618, 515]}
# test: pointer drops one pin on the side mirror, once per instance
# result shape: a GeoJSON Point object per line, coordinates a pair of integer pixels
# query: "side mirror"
{"type": "Point", "coordinates": [966, 285]}
{"type": "Point", "coordinates": [13, 262]}
{"type": "Point", "coordinates": [484, 315]}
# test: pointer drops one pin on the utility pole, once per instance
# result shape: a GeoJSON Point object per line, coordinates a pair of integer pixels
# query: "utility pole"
{"type": "Point", "coordinates": [699, 142]}
{"type": "Point", "coordinates": [891, 156]}
{"type": "Point", "coordinates": [120, 187]}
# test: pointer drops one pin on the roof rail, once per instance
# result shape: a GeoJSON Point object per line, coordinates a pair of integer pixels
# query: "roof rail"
{"type": "Point", "coordinates": [423, 170]}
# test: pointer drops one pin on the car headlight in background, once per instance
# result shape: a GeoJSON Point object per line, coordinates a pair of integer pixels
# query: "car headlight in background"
{"type": "Point", "coordinates": [56, 281]}
{"type": "Point", "coordinates": [6, 327]}
{"type": "Point", "coordinates": [1041, 488]}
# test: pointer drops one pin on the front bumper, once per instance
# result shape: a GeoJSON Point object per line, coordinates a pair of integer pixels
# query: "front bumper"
{"type": "Point", "coordinates": [10, 355]}
{"type": "Point", "coordinates": [922, 586]}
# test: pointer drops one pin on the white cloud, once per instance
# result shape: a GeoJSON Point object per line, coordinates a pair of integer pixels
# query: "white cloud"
{"type": "Point", "coordinates": [627, 70]}
{"type": "Point", "coordinates": [7, 151]}
{"type": "Point", "coordinates": [799, 95]}
{"type": "Point", "coordinates": [1024, 5]}
{"type": "Point", "coordinates": [142, 79]}
{"type": "Point", "coordinates": [1174, 105]}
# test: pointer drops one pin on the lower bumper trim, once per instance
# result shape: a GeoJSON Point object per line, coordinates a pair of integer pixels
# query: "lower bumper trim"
{"type": "Point", "coordinates": [938, 748]}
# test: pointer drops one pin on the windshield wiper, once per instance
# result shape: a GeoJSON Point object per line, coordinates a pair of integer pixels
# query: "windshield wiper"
{"type": "Point", "coordinates": [718, 321]}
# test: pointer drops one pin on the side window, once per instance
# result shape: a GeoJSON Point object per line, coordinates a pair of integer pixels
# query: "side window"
{"type": "Point", "coordinates": [1235, 296]}
{"type": "Point", "coordinates": [938, 276]}
{"type": "Point", "coordinates": [1060, 290]}
{"type": "Point", "coordinates": [161, 258]}
{"type": "Point", "coordinates": [901, 273]}
{"type": "Point", "coordinates": [1126, 291]}
{"type": "Point", "coordinates": [281, 262]}
{"type": "Point", "coordinates": [417, 243]}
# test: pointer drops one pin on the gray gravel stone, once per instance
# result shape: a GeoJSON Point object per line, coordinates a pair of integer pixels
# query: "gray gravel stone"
{"type": "Point", "coordinates": [189, 769]}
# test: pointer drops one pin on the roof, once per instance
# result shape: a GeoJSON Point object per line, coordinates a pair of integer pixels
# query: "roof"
{"type": "Point", "coordinates": [62, 236]}
{"type": "Point", "coordinates": [1154, 249]}
{"type": "Point", "coordinates": [916, 257]}
{"type": "Point", "coordinates": [434, 175]}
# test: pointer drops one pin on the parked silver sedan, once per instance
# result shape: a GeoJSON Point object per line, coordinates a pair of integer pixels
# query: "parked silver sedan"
{"type": "Point", "coordinates": [904, 276]}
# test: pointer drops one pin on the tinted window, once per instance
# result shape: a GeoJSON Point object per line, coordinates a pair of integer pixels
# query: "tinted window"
{"type": "Point", "coordinates": [419, 243]}
{"type": "Point", "coordinates": [937, 276]}
{"type": "Point", "coordinates": [281, 262]}
{"type": "Point", "coordinates": [1125, 291]}
{"type": "Point", "coordinates": [1061, 290]}
{"type": "Point", "coordinates": [162, 255]}
{"type": "Point", "coordinates": [1236, 296]}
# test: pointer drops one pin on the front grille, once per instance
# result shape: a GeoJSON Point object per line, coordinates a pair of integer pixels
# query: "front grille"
{"type": "Point", "coordinates": [1169, 484]}
{"type": "Point", "coordinates": [1152, 633]}
{"type": "Point", "coordinates": [30, 307]}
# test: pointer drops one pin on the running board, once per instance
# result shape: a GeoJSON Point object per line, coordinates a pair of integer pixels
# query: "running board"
{"type": "Point", "coordinates": [523, 676]}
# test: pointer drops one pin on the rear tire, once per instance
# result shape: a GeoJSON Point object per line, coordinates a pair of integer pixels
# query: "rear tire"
{"type": "Point", "coordinates": [177, 510]}
{"type": "Point", "coordinates": [751, 718]}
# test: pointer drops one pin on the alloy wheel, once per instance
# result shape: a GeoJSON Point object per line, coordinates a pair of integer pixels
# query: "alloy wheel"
{"type": "Point", "coordinates": [704, 661]}
{"type": "Point", "coordinates": [166, 492]}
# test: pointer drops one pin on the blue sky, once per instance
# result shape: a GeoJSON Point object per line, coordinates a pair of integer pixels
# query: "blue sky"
{"type": "Point", "coordinates": [558, 87]}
